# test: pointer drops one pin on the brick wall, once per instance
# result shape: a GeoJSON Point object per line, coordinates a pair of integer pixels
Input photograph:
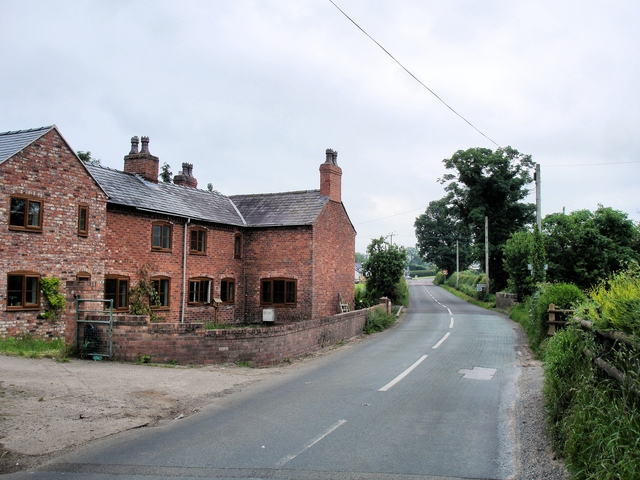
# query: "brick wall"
{"type": "Point", "coordinates": [134, 337]}
{"type": "Point", "coordinates": [49, 171]}
{"type": "Point", "coordinates": [334, 260]}
{"type": "Point", "coordinates": [283, 252]}
{"type": "Point", "coordinates": [129, 249]}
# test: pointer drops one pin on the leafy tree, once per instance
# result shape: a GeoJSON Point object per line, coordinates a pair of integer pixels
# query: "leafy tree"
{"type": "Point", "coordinates": [210, 188]}
{"type": "Point", "coordinates": [384, 268]}
{"type": "Point", "coordinates": [492, 184]}
{"type": "Point", "coordinates": [166, 175]}
{"type": "Point", "coordinates": [538, 257]}
{"type": "Point", "coordinates": [517, 251]}
{"type": "Point", "coordinates": [360, 257]}
{"type": "Point", "coordinates": [437, 231]}
{"type": "Point", "coordinates": [86, 158]}
{"type": "Point", "coordinates": [586, 247]}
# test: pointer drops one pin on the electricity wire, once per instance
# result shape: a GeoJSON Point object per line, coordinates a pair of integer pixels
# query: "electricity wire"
{"type": "Point", "coordinates": [590, 164]}
{"type": "Point", "coordinates": [414, 77]}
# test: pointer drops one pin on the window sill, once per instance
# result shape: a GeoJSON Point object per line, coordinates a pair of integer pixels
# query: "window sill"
{"type": "Point", "coordinates": [25, 229]}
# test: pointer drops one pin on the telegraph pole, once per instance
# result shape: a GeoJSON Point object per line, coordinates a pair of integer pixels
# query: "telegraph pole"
{"type": "Point", "coordinates": [536, 177]}
{"type": "Point", "coordinates": [457, 263]}
{"type": "Point", "coordinates": [486, 250]}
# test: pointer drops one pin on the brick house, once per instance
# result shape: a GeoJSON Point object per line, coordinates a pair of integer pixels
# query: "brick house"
{"type": "Point", "coordinates": [209, 256]}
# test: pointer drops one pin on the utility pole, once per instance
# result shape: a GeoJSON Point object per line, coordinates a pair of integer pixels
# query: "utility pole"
{"type": "Point", "coordinates": [536, 177]}
{"type": "Point", "coordinates": [486, 250]}
{"type": "Point", "coordinates": [457, 263]}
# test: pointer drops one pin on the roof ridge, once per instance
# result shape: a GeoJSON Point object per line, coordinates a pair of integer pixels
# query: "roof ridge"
{"type": "Point", "coordinates": [273, 193]}
{"type": "Point", "coordinates": [28, 130]}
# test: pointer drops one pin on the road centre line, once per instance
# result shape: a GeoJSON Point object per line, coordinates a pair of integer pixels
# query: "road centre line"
{"type": "Point", "coordinates": [451, 323]}
{"type": "Point", "coordinates": [442, 340]}
{"type": "Point", "coordinates": [283, 461]}
{"type": "Point", "coordinates": [402, 375]}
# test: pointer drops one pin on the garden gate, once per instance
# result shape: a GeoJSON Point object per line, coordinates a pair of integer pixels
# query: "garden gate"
{"type": "Point", "coordinates": [94, 329]}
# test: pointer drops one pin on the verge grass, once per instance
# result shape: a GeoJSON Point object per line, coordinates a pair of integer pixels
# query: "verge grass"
{"type": "Point", "coordinates": [30, 347]}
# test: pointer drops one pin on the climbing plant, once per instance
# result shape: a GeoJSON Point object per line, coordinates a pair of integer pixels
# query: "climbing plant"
{"type": "Point", "coordinates": [143, 295]}
{"type": "Point", "coordinates": [56, 302]}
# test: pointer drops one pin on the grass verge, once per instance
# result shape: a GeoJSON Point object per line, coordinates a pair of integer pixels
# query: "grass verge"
{"type": "Point", "coordinates": [30, 347]}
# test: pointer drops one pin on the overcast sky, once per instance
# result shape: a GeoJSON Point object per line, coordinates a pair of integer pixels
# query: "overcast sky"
{"type": "Point", "coordinates": [253, 92]}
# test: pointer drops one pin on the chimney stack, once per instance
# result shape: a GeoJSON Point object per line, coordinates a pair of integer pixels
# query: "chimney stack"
{"type": "Point", "coordinates": [186, 178]}
{"type": "Point", "coordinates": [142, 163]}
{"type": "Point", "coordinates": [330, 177]}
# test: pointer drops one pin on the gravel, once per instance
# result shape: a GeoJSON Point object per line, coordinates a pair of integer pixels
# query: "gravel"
{"type": "Point", "coordinates": [536, 460]}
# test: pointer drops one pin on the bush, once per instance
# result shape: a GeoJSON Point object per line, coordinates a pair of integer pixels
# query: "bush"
{"type": "Point", "coordinates": [402, 290]}
{"type": "Point", "coordinates": [615, 303]}
{"type": "Point", "coordinates": [564, 296]}
{"type": "Point", "coordinates": [594, 420]}
{"type": "Point", "coordinates": [378, 320]}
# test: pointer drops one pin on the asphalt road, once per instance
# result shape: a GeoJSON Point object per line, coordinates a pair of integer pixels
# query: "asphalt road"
{"type": "Point", "coordinates": [431, 398]}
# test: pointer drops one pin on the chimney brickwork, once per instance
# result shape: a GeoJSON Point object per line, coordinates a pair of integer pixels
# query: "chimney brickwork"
{"type": "Point", "coordinates": [331, 177]}
{"type": "Point", "coordinates": [186, 178]}
{"type": "Point", "coordinates": [142, 163]}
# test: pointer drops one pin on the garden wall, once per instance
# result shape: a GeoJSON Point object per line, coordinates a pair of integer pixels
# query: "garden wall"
{"type": "Point", "coordinates": [134, 338]}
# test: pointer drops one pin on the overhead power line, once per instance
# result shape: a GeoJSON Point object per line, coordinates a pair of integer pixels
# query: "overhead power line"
{"type": "Point", "coordinates": [590, 164]}
{"type": "Point", "coordinates": [413, 76]}
{"type": "Point", "coordinates": [391, 216]}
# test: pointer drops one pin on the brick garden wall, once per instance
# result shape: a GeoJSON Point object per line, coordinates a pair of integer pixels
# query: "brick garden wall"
{"type": "Point", "coordinates": [134, 337]}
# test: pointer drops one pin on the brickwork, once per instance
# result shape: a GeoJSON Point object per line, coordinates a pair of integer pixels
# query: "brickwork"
{"type": "Point", "coordinates": [48, 171]}
{"type": "Point", "coordinates": [333, 246]}
{"type": "Point", "coordinates": [284, 252]}
{"type": "Point", "coordinates": [129, 249]}
{"type": "Point", "coordinates": [118, 243]}
{"type": "Point", "coordinates": [134, 337]}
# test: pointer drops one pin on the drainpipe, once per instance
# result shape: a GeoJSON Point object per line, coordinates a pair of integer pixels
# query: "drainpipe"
{"type": "Point", "coordinates": [184, 269]}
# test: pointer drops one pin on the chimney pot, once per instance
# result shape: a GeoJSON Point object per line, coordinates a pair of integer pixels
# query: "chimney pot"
{"type": "Point", "coordinates": [134, 145]}
{"type": "Point", "coordinates": [145, 145]}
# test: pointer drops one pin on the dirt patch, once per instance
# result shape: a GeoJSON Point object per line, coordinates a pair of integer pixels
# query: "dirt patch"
{"type": "Point", "coordinates": [48, 406]}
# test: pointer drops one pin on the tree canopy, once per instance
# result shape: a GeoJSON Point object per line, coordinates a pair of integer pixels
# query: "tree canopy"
{"type": "Point", "coordinates": [485, 183]}
{"type": "Point", "coordinates": [586, 247]}
{"type": "Point", "coordinates": [437, 231]}
{"type": "Point", "coordinates": [87, 158]}
{"type": "Point", "coordinates": [383, 268]}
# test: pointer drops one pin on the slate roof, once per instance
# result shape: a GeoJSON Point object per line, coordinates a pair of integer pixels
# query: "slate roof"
{"type": "Point", "coordinates": [12, 142]}
{"type": "Point", "coordinates": [258, 210]}
{"type": "Point", "coordinates": [134, 191]}
{"type": "Point", "coordinates": [280, 209]}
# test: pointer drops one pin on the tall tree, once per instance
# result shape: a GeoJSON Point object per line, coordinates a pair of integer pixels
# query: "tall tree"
{"type": "Point", "coordinates": [437, 231]}
{"type": "Point", "coordinates": [492, 184]}
{"type": "Point", "coordinates": [383, 268]}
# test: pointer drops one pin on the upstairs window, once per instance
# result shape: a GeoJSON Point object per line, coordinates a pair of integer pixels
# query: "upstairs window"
{"type": "Point", "coordinates": [117, 289]}
{"type": "Point", "coordinates": [198, 241]}
{"type": "Point", "coordinates": [278, 291]}
{"type": "Point", "coordinates": [23, 291]}
{"type": "Point", "coordinates": [228, 290]}
{"type": "Point", "coordinates": [237, 246]}
{"type": "Point", "coordinates": [162, 286]}
{"type": "Point", "coordinates": [25, 214]}
{"type": "Point", "coordinates": [83, 220]}
{"type": "Point", "coordinates": [199, 291]}
{"type": "Point", "coordinates": [161, 237]}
